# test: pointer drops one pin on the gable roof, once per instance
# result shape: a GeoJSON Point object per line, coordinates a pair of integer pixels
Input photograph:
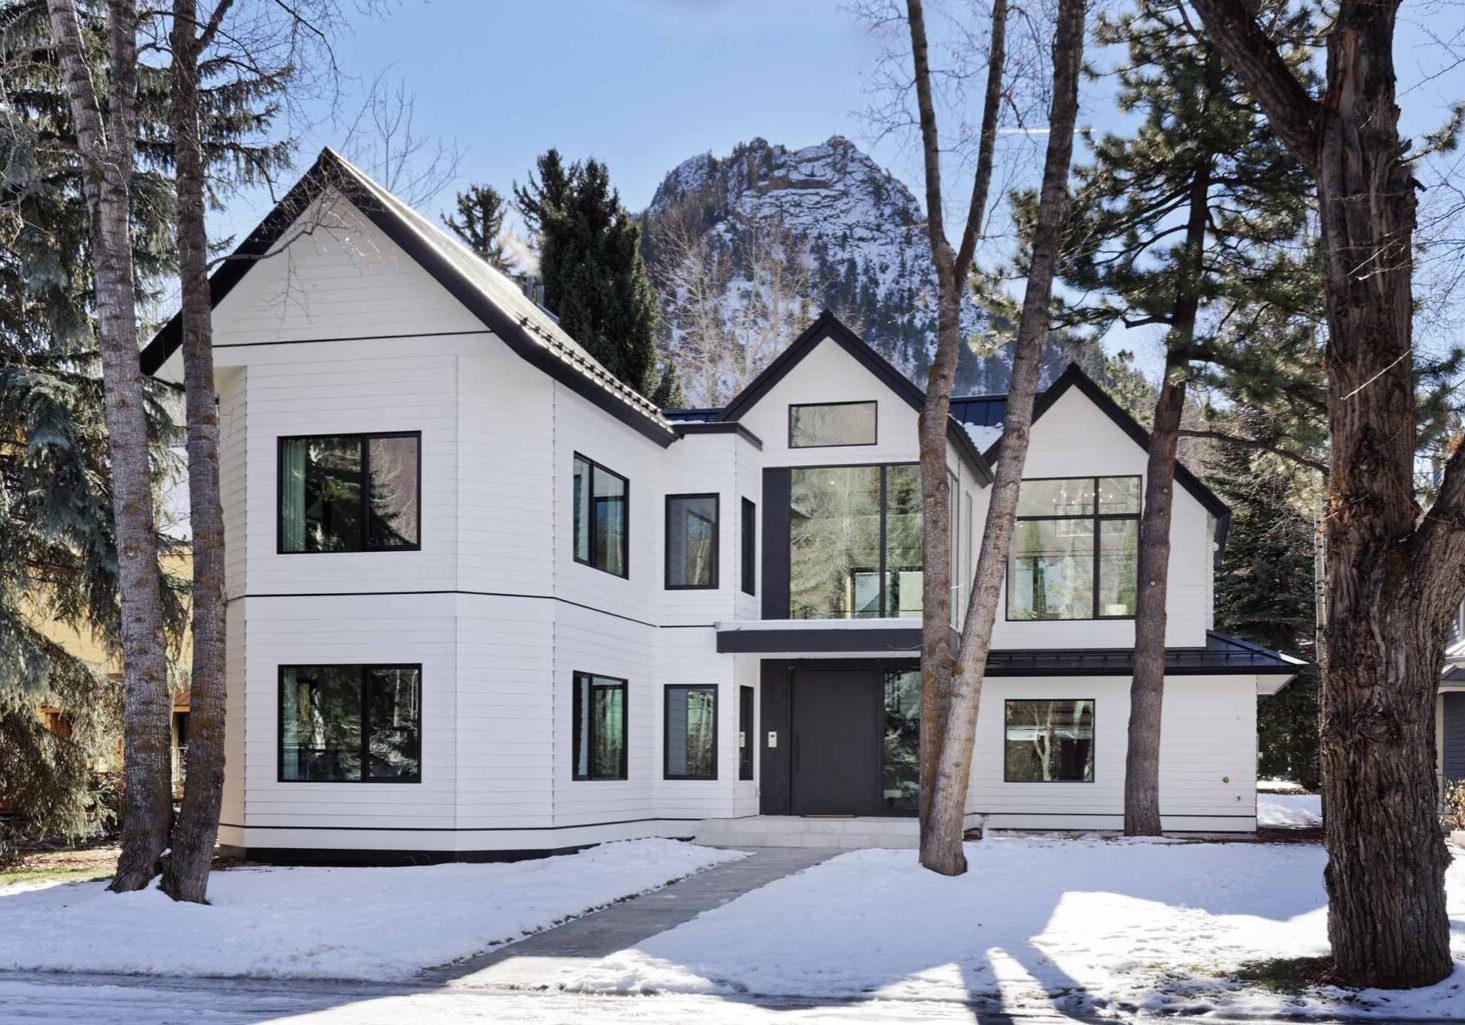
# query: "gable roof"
{"type": "Point", "coordinates": [828, 326]}
{"type": "Point", "coordinates": [487, 293]}
{"type": "Point", "coordinates": [991, 411]}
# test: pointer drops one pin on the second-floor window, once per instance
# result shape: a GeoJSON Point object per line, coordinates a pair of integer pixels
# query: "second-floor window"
{"type": "Point", "coordinates": [350, 493]}
{"type": "Point", "coordinates": [602, 504]}
{"type": "Point", "coordinates": [1075, 549]}
{"type": "Point", "coordinates": [822, 424]}
{"type": "Point", "coordinates": [691, 542]}
{"type": "Point", "coordinates": [855, 542]}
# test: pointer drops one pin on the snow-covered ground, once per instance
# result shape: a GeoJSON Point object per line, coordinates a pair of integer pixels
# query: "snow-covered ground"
{"type": "Point", "coordinates": [1088, 925]}
{"type": "Point", "coordinates": [348, 923]}
{"type": "Point", "coordinates": [1289, 811]}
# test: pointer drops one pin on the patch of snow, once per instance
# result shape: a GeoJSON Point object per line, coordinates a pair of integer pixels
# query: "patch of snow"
{"type": "Point", "coordinates": [1079, 926]}
{"type": "Point", "coordinates": [1290, 811]}
{"type": "Point", "coordinates": [983, 437]}
{"type": "Point", "coordinates": [347, 923]}
{"type": "Point", "coordinates": [1279, 786]}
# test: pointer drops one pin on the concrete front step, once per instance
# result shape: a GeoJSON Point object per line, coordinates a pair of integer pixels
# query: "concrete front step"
{"type": "Point", "coordinates": [810, 831]}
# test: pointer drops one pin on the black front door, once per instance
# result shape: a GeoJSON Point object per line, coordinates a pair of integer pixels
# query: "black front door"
{"type": "Point", "coordinates": [837, 726]}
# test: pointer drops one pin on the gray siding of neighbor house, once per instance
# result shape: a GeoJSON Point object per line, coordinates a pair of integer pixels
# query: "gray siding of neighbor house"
{"type": "Point", "coordinates": [1453, 742]}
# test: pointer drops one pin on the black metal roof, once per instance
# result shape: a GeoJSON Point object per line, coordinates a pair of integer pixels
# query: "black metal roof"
{"type": "Point", "coordinates": [980, 410]}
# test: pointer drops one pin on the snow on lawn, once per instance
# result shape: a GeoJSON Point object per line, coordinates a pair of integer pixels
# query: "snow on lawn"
{"type": "Point", "coordinates": [350, 923]}
{"type": "Point", "coordinates": [1289, 811]}
{"type": "Point", "coordinates": [1077, 924]}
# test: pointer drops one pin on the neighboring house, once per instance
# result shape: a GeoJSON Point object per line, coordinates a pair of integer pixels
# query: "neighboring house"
{"type": "Point", "coordinates": [484, 600]}
{"type": "Point", "coordinates": [1450, 711]}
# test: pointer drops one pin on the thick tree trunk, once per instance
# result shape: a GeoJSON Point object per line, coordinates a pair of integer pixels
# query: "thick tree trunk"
{"type": "Point", "coordinates": [951, 284]}
{"type": "Point", "coordinates": [1388, 588]}
{"type": "Point", "coordinates": [941, 849]}
{"type": "Point", "coordinates": [106, 153]}
{"type": "Point", "coordinates": [186, 872]}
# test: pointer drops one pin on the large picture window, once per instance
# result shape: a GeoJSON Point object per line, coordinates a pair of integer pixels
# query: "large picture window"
{"type": "Point", "coordinates": [602, 506]}
{"type": "Point", "coordinates": [691, 732]}
{"type": "Point", "coordinates": [599, 732]}
{"type": "Point", "coordinates": [350, 493]}
{"type": "Point", "coordinates": [1049, 741]}
{"type": "Point", "coordinates": [855, 542]}
{"type": "Point", "coordinates": [691, 542]}
{"type": "Point", "coordinates": [351, 724]}
{"type": "Point", "coordinates": [1075, 549]}
{"type": "Point", "coordinates": [825, 424]}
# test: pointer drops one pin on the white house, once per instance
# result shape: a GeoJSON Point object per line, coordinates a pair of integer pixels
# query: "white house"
{"type": "Point", "coordinates": [485, 601]}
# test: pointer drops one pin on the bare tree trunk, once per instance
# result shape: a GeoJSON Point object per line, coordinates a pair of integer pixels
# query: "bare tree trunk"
{"type": "Point", "coordinates": [1392, 577]}
{"type": "Point", "coordinates": [941, 849]}
{"type": "Point", "coordinates": [106, 151]}
{"type": "Point", "coordinates": [1147, 689]}
{"type": "Point", "coordinates": [186, 872]}
{"type": "Point", "coordinates": [951, 284]}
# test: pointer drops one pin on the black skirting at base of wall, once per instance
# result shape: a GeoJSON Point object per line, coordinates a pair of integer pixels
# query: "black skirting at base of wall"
{"type": "Point", "coordinates": [375, 858]}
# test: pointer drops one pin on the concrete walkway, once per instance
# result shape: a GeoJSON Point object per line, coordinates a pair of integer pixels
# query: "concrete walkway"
{"type": "Point", "coordinates": [540, 961]}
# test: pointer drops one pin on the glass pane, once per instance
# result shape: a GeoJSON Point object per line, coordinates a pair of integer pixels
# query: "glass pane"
{"type": "Point", "coordinates": [320, 728]}
{"type": "Point", "coordinates": [1071, 497]}
{"type": "Point", "coordinates": [691, 732]}
{"type": "Point", "coordinates": [610, 522]}
{"type": "Point", "coordinates": [1118, 567]}
{"type": "Point", "coordinates": [394, 718]}
{"type": "Point", "coordinates": [845, 423]}
{"type": "Point", "coordinates": [1050, 741]}
{"type": "Point", "coordinates": [903, 554]}
{"type": "Point", "coordinates": [607, 720]}
{"type": "Point", "coordinates": [834, 542]}
{"type": "Point", "coordinates": [745, 733]}
{"type": "Point", "coordinates": [1051, 571]}
{"type": "Point", "coordinates": [1118, 495]}
{"type": "Point", "coordinates": [392, 514]}
{"type": "Point", "coordinates": [582, 509]}
{"type": "Point", "coordinates": [581, 727]}
{"type": "Point", "coordinates": [332, 494]}
{"type": "Point", "coordinates": [691, 541]}
{"type": "Point", "coordinates": [294, 456]}
{"type": "Point", "coordinates": [750, 547]}
{"type": "Point", "coordinates": [901, 772]}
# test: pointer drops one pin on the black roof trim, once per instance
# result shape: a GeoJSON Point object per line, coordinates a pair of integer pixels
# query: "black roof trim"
{"type": "Point", "coordinates": [330, 171]}
{"type": "Point", "coordinates": [1074, 377]}
{"type": "Point", "coordinates": [683, 429]}
{"type": "Point", "coordinates": [827, 325]}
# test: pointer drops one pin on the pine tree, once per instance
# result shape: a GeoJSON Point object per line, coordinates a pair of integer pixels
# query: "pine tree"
{"type": "Point", "coordinates": [480, 224]}
{"type": "Point", "coordinates": [591, 267]}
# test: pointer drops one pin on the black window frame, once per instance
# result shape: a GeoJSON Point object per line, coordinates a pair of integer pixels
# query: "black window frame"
{"type": "Point", "coordinates": [364, 438]}
{"type": "Point", "coordinates": [749, 568]}
{"type": "Point", "coordinates": [666, 690]}
{"type": "Point", "coordinates": [575, 512]}
{"type": "Point", "coordinates": [839, 444]}
{"type": "Point", "coordinates": [1097, 518]}
{"type": "Point", "coordinates": [610, 682]}
{"type": "Point", "coordinates": [716, 542]}
{"type": "Point", "coordinates": [362, 668]}
{"type": "Point", "coordinates": [1093, 743]}
{"type": "Point", "coordinates": [747, 749]}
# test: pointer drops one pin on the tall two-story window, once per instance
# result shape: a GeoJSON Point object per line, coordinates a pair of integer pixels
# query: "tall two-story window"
{"type": "Point", "coordinates": [826, 424]}
{"type": "Point", "coordinates": [691, 542]}
{"type": "Point", "coordinates": [350, 493]}
{"type": "Point", "coordinates": [602, 504]}
{"type": "Point", "coordinates": [855, 542]}
{"type": "Point", "coordinates": [1075, 550]}
{"type": "Point", "coordinates": [351, 724]}
{"type": "Point", "coordinates": [599, 730]}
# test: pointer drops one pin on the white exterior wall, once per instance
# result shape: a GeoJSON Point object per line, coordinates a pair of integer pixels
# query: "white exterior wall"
{"type": "Point", "coordinates": [1207, 756]}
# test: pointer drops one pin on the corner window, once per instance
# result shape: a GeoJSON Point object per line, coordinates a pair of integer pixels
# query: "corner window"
{"type": "Point", "coordinates": [1075, 549]}
{"type": "Point", "coordinates": [855, 542]}
{"type": "Point", "coordinates": [350, 493]}
{"type": "Point", "coordinates": [602, 501]}
{"type": "Point", "coordinates": [691, 732]}
{"type": "Point", "coordinates": [1049, 741]}
{"type": "Point", "coordinates": [691, 542]}
{"type": "Point", "coordinates": [831, 423]}
{"type": "Point", "coordinates": [750, 547]}
{"type": "Point", "coordinates": [351, 724]}
{"type": "Point", "coordinates": [599, 732]}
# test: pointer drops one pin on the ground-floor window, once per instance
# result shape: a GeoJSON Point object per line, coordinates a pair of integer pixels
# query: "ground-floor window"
{"type": "Point", "coordinates": [1049, 741]}
{"type": "Point", "coordinates": [691, 732]}
{"type": "Point", "coordinates": [600, 727]}
{"type": "Point", "coordinates": [900, 762]}
{"type": "Point", "coordinates": [351, 724]}
{"type": "Point", "coordinates": [745, 733]}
